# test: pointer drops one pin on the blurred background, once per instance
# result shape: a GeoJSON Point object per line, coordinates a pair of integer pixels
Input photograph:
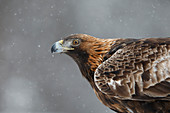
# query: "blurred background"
{"type": "Point", "coordinates": [32, 80]}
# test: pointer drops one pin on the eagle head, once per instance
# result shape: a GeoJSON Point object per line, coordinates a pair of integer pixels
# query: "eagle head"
{"type": "Point", "coordinates": [87, 51]}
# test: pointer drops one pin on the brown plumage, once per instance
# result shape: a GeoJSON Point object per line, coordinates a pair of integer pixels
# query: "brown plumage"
{"type": "Point", "coordinates": [127, 75]}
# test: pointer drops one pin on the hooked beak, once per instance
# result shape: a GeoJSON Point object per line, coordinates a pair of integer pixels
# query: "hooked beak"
{"type": "Point", "coordinates": [58, 47]}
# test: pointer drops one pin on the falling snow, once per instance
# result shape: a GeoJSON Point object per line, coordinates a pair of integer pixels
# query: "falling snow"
{"type": "Point", "coordinates": [38, 81]}
{"type": "Point", "coordinates": [39, 46]}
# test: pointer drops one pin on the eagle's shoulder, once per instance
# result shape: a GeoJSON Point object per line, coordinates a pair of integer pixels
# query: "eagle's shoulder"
{"type": "Point", "coordinates": [136, 69]}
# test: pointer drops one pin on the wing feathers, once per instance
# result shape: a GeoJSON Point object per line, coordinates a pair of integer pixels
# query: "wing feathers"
{"type": "Point", "coordinates": [159, 90]}
{"type": "Point", "coordinates": [139, 68]}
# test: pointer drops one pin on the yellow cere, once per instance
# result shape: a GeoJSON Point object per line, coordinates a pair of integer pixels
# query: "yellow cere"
{"type": "Point", "coordinates": [61, 41]}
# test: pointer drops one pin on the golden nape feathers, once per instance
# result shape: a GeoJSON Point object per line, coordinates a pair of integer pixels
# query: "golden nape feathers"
{"type": "Point", "coordinates": [127, 75]}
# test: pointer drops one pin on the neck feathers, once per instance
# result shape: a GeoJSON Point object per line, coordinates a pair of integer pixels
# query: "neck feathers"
{"type": "Point", "coordinates": [98, 52]}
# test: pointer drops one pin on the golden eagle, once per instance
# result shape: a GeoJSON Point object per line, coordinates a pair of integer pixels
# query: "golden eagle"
{"type": "Point", "coordinates": [127, 75]}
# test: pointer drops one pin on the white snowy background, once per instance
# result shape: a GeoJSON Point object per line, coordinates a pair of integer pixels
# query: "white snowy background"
{"type": "Point", "coordinates": [34, 81]}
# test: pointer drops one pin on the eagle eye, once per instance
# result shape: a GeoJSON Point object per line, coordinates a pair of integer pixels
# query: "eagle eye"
{"type": "Point", "coordinates": [75, 42]}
